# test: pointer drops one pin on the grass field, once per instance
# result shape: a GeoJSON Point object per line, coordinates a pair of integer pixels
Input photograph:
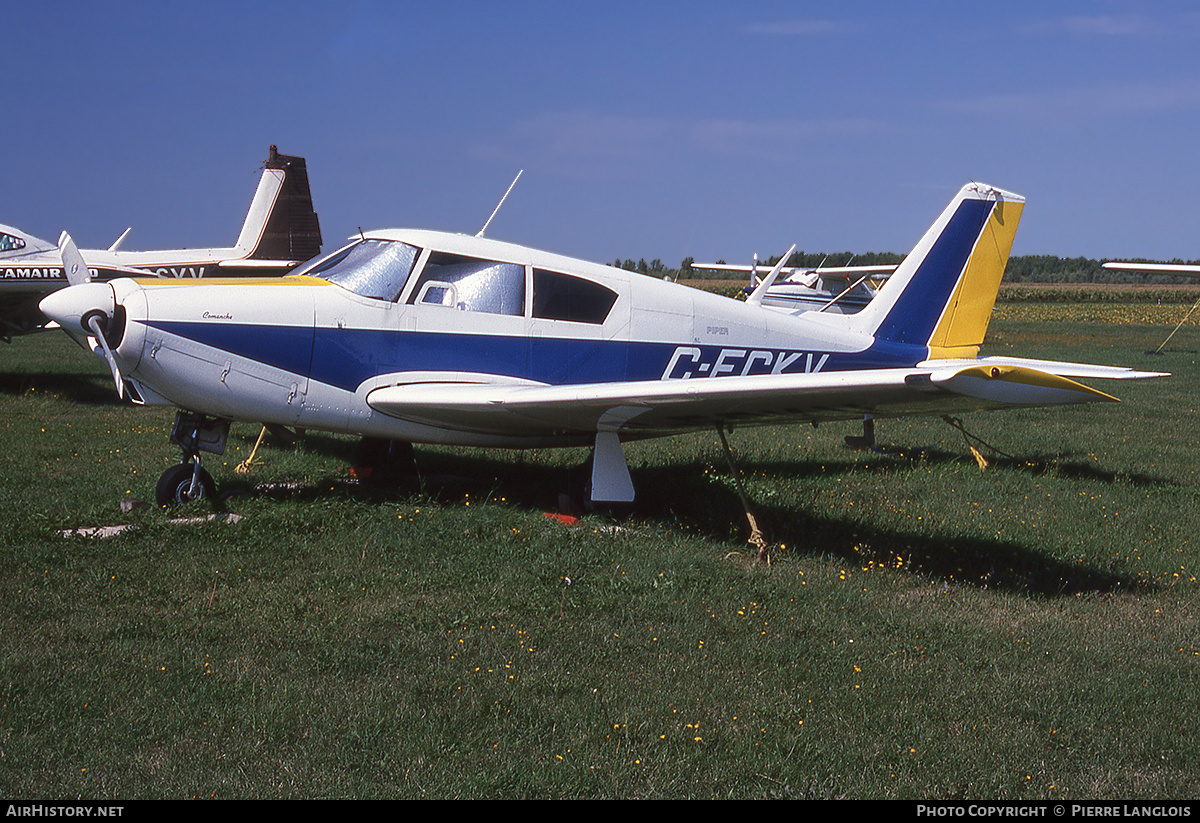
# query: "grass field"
{"type": "Point", "coordinates": [925, 629]}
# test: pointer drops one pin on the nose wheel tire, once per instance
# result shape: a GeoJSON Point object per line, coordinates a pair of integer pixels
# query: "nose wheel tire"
{"type": "Point", "coordinates": [175, 487]}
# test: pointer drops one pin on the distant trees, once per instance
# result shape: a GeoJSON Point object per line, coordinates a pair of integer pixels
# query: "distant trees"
{"type": "Point", "coordinates": [812, 260]}
{"type": "Point", "coordinates": [654, 267]}
{"type": "Point", "coordinates": [1044, 268]}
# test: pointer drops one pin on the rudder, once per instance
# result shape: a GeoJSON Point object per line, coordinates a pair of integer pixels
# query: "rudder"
{"type": "Point", "coordinates": [942, 295]}
{"type": "Point", "coordinates": [964, 321]}
{"type": "Point", "coordinates": [281, 223]}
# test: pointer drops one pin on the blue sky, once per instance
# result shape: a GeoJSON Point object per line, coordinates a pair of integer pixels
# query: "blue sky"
{"type": "Point", "coordinates": [645, 129]}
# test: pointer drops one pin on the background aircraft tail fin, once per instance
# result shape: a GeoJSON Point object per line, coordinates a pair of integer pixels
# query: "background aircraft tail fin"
{"type": "Point", "coordinates": [281, 223]}
{"type": "Point", "coordinates": [942, 295]}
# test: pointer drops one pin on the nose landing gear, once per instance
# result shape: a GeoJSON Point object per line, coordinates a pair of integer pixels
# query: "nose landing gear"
{"type": "Point", "coordinates": [187, 481]}
{"type": "Point", "coordinates": [183, 483]}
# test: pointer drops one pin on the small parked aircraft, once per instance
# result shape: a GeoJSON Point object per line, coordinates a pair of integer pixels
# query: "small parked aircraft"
{"type": "Point", "coordinates": [1173, 269]}
{"type": "Point", "coordinates": [834, 289]}
{"type": "Point", "coordinates": [428, 337]}
{"type": "Point", "coordinates": [280, 231]}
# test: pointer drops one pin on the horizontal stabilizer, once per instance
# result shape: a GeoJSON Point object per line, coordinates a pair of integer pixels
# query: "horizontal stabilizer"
{"type": "Point", "coordinates": [1075, 371]}
{"type": "Point", "coordinates": [1016, 386]}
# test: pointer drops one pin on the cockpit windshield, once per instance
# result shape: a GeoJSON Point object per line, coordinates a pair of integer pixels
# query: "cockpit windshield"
{"type": "Point", "coordinates": [372, 268]}
{"type": "Point", "coordinates": [10, 243]}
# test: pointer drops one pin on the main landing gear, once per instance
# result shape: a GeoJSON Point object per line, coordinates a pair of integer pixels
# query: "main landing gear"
{"type": "Point", "coordinates": [867, 441]}
{"type": "Point", "coordinates": [187, 481]}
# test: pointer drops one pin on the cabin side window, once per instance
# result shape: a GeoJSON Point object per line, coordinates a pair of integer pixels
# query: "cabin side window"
{"type": "Point", "coordinates": [471, 284]}
{"type": "Point", "coordinates": [565, 297]}
{"type": "Point", "coordinates": [372, 268]}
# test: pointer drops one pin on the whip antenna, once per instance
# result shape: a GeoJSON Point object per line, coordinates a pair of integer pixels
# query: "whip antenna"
{"type": "Point", "coordinates": [501, 203]}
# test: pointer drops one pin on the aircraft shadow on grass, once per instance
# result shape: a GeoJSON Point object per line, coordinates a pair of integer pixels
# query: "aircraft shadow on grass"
{"type": "Point", "coordinates": [84, 387]}
{"type": "Point", "coordinates": [986, 562]}
{"type": "Point", "coordinates": [705, 502]}
{"type": "Point", "coordinates": [1069, 465]}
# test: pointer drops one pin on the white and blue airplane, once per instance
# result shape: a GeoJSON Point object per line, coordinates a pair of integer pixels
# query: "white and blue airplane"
{"type": "Point", "coordinates": [280, 231]}
{"type": "Point", "coordinates": [429, 337]}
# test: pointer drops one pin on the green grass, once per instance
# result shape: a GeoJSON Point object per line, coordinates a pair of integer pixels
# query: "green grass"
{"type": "Point", "coordinates": [925, 629]}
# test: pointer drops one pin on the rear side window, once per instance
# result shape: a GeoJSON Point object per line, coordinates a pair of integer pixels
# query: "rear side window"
{"type": "Point", "coordinates": [565, 297]}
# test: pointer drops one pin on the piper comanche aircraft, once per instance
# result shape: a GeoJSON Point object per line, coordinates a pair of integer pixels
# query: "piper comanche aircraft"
{"type": "Point", "coordinates": [427, 337]}
{"type": "Point", "coordinates": [280, 231]}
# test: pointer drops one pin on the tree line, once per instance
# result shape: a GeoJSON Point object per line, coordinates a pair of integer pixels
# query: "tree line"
{"type": "Point", "coordinates": [1032, 268]}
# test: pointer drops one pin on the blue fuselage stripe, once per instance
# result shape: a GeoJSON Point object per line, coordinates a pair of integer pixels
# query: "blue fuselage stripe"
{"type": "Point", "coordinates": [345, 358]}
{"type": "Point", "coordinates": [916, 313]}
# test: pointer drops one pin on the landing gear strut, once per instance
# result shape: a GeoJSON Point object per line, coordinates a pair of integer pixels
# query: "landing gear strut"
{"type": "Point", "coordinates": [867, 441]}
{"type": "Point", "coordinates": [187, 480]}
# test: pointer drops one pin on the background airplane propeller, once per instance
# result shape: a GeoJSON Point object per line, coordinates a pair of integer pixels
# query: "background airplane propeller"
{"type": "Point", "coordinates": [74, 266]}
{"type": "Point", "coordinates": [756, 296]}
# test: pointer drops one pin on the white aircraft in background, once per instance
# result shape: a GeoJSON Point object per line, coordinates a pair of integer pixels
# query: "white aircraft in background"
{"type": "Point", "coordinates": [429, 337]}
{"type": "Point", "coordinates": [833, 289]}
{"type": "Point", "coordinates": [1177, 269]}
{"type": "Point", "coordinates": [280, 231]}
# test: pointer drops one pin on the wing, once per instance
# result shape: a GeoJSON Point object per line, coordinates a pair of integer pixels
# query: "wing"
{"type": "Point", "coordinates": [1177, 269]}
{"type": "Point", "coordinates": [654, 408]}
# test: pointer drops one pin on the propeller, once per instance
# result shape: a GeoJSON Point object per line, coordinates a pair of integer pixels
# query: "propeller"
{"type": "Point", "coordinates": [756, 296]}
{"type": "Point", "coordinates": [74, 266]}
{"type": "Point", "coordinates": [77, 272]}
{"type": "Point", "coordinates": [93, 323]}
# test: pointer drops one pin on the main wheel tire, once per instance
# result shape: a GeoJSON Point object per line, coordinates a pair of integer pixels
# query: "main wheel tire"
{"type": "Point", "coordinates": [174, 487]}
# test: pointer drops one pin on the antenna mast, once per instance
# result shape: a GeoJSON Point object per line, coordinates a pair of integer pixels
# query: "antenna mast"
{"type": "Point", "coordinates": [501, 203]}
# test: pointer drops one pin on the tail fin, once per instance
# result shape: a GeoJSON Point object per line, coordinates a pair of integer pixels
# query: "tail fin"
{"type": "Point", "coordinates": [942, 295]}
{"type": "Point", "coordinates": [281, 223]}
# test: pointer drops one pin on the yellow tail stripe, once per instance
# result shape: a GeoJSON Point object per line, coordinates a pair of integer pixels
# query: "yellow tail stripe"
{"type": "Point", "coordinates": [964, 322]}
